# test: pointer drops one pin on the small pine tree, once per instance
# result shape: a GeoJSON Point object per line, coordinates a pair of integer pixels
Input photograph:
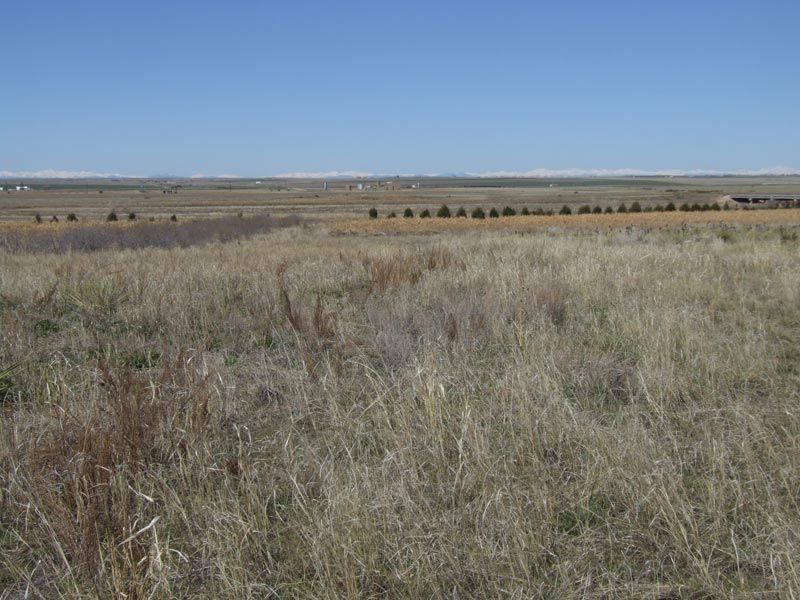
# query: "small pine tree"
{"type": "Point", "coordinates": [585, 210]}
{"type": "Point", "coordinates": [706, 207]}
{"type": "Point", "coordinates": [373, 213]}
{"type": "Point", "coordinates": [622, 208]}
{"type": "Point", "coordinates": [525, 212]}
{"type": "Point", "coordinates": [461, 212]}
{"type": "Point", "coordinates": [685, 207]}
{"type": "Point", "coordinates": [71, 217]}
{"type": "Point", "coordinates": [696, 207]}
{"type": "Point", "coordinates": [659, 208]}
{"type": "Point", "coordinates": [443, 212]}
{"type": "Point", "coordinates": [493, 214]}
{"type": "Point", "coordinates": [131, 216]}
{"type": "Point", "coordinates": [716, 206]}
{"type": "Point", "coordinates": [112, 216]}
{"type": "Point", "coordinates": [173, 218]}
{"type": "Point", "coordinates": [408, 213]}
{"type": "Point", "coordinates": [509, 212]}
{"type": "Point", "coordinates": [425, 214]}
{"type": "Point", "coordinates": [597, 210]}
{"type": "Point", "coordinates": [477, 213]}
{"type": "Point", "coordinates": [565, 210]}
{"type": "Point", "coordinates": [37, 218]}
{"type": "Point", "coordinates": [670, 207]}
{"type": "Point", "coordinates": [609, 210]}
{"type": "Point", "coordinates": [391, 215]}
{"type": "Point", "coordinates": [636, 207]}
{"type": "Point", "coordinates": [54, 219]}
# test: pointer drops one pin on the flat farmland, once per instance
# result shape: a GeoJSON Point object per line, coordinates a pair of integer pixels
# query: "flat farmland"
{"type": "Point", "coordinates": [93, 200]}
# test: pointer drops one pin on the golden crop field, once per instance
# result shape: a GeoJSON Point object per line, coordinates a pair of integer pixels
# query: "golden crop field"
{"type": "Point", "coordinates": [531, 223]}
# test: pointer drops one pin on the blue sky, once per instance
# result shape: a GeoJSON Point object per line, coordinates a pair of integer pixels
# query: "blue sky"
{"type": "Point", "coordinates": [264, 88]}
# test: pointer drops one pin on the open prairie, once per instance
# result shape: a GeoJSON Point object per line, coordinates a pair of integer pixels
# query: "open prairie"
{"type": "Point", "coordinates": [283, 411]}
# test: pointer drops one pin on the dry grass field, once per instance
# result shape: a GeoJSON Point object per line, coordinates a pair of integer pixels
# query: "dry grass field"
{"type": "Point", "coordinates": [612, 412]}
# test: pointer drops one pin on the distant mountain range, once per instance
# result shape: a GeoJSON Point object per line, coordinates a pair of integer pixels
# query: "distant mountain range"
{"type": "Point", "coordinates": [535, 173]}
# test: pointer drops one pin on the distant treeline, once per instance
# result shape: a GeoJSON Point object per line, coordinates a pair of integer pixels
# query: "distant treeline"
{"type": "Point", "coordinates": [478, 213]}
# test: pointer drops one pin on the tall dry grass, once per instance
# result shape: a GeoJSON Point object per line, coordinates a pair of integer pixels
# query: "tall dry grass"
{"type": "Point", "coordinates": [566, 415]}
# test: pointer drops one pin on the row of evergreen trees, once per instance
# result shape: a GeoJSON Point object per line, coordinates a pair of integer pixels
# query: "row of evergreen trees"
{"type": "Point", "coordinates": [478, 213]}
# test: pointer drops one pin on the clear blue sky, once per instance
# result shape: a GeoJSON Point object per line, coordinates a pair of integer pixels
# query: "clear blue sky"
{"type": "Point", "coordinates": [260, 88]}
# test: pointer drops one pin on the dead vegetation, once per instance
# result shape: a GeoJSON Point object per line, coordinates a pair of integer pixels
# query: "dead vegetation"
{"type": "Point", "coordinates": [581, 414]}
{"type": "Point", "coordinates": [90, 237]}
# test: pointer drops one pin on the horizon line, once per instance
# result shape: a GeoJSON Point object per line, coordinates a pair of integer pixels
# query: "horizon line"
{"type": "Point", "coordinates": [539, 173]}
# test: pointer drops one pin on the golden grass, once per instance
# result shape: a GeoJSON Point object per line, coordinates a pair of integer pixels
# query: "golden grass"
{"type": "Point", "coordinates": [532, 223]}
{"type": "Point", "coordinates": [562, 415]}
